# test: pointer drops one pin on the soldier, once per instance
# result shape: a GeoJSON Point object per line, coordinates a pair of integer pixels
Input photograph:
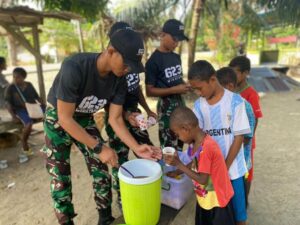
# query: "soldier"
{"type": "Point", "coordinates": [86, 83]}
{"type": "Point", "coordinates": [134, 97]}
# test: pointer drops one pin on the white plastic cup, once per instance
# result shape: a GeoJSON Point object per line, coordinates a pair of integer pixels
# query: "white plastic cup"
{"type": "Point", "coordinates": [141, 122]}
{"type": "Point", "coordinates": [151, 121]}
{"type": "Point", "coordinates": [168, 151]}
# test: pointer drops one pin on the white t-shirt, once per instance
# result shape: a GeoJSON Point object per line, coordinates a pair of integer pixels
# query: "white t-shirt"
{"type": "Point", "coordinates": [222, 121]}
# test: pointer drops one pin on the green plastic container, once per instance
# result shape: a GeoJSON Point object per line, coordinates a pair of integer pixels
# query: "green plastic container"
{"type": "Point", "coordinates": [141, 196]}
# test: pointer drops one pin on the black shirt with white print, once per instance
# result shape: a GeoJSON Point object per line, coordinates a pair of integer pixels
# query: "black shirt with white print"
{"type": "Point", "coordinates": [163, 70]}
{"type": "Point", "coordinates": [78, 81]}
{"type": "Point", "coordinates": [132, 97]}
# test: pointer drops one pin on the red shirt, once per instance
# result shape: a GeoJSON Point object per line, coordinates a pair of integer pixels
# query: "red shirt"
{"type": "Point", "coordinates": [253, 98]}
{"type": "Point", "coordinates": [211, 161]}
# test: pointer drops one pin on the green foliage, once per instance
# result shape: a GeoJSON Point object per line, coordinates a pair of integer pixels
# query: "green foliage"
{"type": "Point", "coordinates": [146, 16]}
{"type": "Point", "coordinates": [87, 8]}
{"type": "Point", "coordinates": [288, 11]}
{"type": "Point", "coordinates": [3, 47]}
{"type": "Point", "coordinates": [63, 36]}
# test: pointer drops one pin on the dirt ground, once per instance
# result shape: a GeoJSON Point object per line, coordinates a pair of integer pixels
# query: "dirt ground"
{"type": "Point", "coordinates": [274, 196]}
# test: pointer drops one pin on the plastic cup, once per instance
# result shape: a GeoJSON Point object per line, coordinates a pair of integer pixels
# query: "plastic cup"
{"type": "Point", "coordinates": [168, 151]}
{"type": "Point", "coordinates": [141, 121]}
{"type": "Point", "coordinates": [151, 121]}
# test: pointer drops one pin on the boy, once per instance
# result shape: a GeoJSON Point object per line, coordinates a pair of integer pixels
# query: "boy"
{"type": "Point", "coordinates": [16, 106]}
{"type": "Point", "coordinates": [241, 65]}
{"type": "Point", "coordinates": [222, 115]}
{"type": "Point", "coordinates": [207, 170]}
{"type": "Point", "coordinates": [228, 79]}
{"type": "Point", "coordinates": [86, 83]}
{"type": "Point", "coordinates": [133, 97]}
{"type": "Point", "coordinates": [164, 79]}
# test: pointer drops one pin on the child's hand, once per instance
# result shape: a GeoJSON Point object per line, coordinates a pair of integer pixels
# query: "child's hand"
{"type": "Point", "coordinates": [172, 160]}
{"type": "Point", "coordinates": [174, 174]}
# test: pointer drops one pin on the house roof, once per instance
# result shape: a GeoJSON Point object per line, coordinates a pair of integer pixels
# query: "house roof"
{"type": "Point", "coordinates": [25, 16]}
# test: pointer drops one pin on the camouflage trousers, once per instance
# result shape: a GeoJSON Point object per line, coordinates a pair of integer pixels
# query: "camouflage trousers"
{"type": "Point", "coordinates": [165, 106]}
{"type": "Point", "coordinates": [57, 149]}
{"type": "Point", "coordinates": [122, 150]}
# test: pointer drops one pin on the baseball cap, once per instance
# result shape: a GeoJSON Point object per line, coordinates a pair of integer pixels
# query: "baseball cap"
{"type": "Point", "coordinates": [118, 26]}
{"type": "Point", "coordinates": [131, 46]}
{"type": "Point", "coordinates": [175, 28]}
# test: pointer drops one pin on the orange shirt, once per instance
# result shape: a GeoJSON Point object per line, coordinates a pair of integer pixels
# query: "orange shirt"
{"type": "Point", "coordinates": [218, 190]}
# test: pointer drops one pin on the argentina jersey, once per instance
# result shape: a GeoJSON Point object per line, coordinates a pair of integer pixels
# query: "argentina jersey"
{"type": "Point", "coordinates": [222, 121]}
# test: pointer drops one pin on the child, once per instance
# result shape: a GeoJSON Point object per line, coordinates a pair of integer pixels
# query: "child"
{"type": "Point", "coordinates": [241, 65]}
{"type": "Point", "coordinates": [228, 79]}
{"type": "Point", "coordinates": [16, 105]}
{"type": "Point", "coordinates": [208, 170]}
{"type": "Point", "coordinates": [133, 97]}
{"type": "Point", "coordinates": [222, 115]}
{"type": "Point", "coordinates": [164, 79]}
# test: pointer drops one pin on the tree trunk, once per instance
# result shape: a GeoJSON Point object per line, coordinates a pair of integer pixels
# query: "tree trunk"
{"type": "Point", "coordinates": [12, 50]}
{"type": "Point", "coordinates": [197, 6]}
{"type": "Point", "coordinates": [80, 37]}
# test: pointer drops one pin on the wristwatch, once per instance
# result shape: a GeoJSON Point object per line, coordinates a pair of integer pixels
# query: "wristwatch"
{"type": "Point", "coordinates": [98, 148]}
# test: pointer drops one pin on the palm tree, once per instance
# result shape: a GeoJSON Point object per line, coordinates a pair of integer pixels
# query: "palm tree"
{"type": "Point", "coordinates": [288, 11]}
{"type": "Point", "coordinates": [196, 13]}
{"type": "Point", "coordinates": [145, 16]}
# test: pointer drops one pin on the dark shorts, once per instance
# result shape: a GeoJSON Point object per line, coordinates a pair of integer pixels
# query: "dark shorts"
{"type": "Point", "coordinates": [214, 216]}
{"type": "Point", "coordinates": [22, 114]}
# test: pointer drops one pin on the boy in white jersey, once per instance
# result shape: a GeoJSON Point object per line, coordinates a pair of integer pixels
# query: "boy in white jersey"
{"type": "Point", "coordinates": [222, 115]}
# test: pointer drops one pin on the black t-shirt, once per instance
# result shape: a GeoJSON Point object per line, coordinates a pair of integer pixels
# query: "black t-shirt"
{"type": "Point", "coordinates": [163, 70]}
{"type": "Point", "coordinates": [78, 81]}
{"type": "Point", "coordinates": [132, 97]}
{"type": "Point", "coordinates": [14, 98]}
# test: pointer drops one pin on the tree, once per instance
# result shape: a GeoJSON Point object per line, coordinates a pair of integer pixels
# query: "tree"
{"type": "Point", "coordinates": [196, 9]}
{"type": "Point", "coordinates": [87, 8]}
{"type": "Point", "coordinates": [288, 11]}
{"type": "Point", "coordinates": [145, 16]}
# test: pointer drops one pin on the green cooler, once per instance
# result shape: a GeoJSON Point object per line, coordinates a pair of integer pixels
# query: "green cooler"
{"type": "Point", "coordinates": [141, 197]}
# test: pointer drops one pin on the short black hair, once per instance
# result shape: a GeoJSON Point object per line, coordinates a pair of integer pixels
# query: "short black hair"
{"type": "Point", "coordinates": [226, 75]}
{"type": "Point", "coordinates": [2, 60]}
{"type": "Point", "coordinates": [242, 62]}
{"type": "Point", "coordinates": [201, 70]}
{"type": "Point", "coordinates": [182, 115]}
{"type": "Point", "coordinates": [20, 71]}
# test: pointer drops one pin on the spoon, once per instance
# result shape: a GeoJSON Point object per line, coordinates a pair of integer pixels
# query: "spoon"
{"type": "Point", "coordinates": [131, 173]}
{"type": "Point", "coordinates": [127, 171]}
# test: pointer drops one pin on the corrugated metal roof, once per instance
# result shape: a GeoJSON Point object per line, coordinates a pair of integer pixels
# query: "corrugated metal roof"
{"type": "Point", "coordinates": [264, 79]}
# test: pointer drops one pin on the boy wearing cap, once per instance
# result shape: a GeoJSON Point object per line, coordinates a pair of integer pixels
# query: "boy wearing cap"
{"type": "Point", "coordinates": [86, 83]}
{"type": "Point", "coordinates": [133, 97]}
{"type": "Point", "coordinates": [164, 79]}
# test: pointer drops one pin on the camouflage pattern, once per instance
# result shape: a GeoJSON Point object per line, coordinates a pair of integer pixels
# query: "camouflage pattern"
{"type": "Point", "coordinates": [142, 137]}
{"type": "Point", "coordinates": [57, 149]}
{"type": "Point", "coordinates": [165, 107]}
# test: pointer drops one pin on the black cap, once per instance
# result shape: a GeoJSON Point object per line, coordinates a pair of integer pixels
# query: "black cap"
{"type": "Point", "coordinates": [175, 28]}
{"type": "Point", "coordinates": [131, 46]}
{"type": "Point", "coordinates": [118, 26]}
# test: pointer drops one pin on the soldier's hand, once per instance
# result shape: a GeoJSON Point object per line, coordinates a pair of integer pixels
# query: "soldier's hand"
{"type": "Point", "coordinates": [108, 156]}
{"type": "Point", "coordinates": [148, 152]}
